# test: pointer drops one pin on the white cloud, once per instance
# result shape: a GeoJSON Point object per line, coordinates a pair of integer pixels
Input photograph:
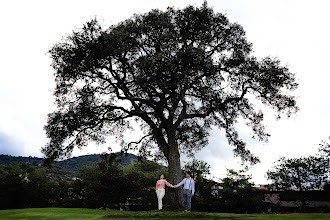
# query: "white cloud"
{"type": "Point", "coordinates": [9, 145]}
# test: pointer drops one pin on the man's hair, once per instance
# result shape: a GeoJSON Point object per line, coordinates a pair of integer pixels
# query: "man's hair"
{"type": "Point", "coordinates": [188, 172]}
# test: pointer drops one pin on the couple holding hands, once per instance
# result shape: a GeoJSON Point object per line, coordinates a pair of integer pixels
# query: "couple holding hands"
{"type": "Point", "coordinates": [188, 190]}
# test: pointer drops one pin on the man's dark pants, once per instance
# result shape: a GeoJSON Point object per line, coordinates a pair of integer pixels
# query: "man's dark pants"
{"type": "Point", "coordinates": [187, 199]}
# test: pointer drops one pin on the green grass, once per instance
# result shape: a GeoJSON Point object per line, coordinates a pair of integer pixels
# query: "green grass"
{"type": "Point", "coordinates": [205, 215]}
{"type": "Point", "coordinates": [173, 215]}
{"type": "Point", "coordinates": [52, 213]}
{"type": "Point", "coordinates": [76, 213]}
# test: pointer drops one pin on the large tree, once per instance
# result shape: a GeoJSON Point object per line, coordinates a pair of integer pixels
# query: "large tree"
{"type": "Point", "coordinates": [176, 72]}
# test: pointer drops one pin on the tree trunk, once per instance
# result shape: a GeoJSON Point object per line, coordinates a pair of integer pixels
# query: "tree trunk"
{"type": "Point", "coordinates": [175, 196]}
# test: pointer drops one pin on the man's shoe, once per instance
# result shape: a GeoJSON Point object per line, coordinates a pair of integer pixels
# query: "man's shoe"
{"type": "Point", "coordinates": [185, 210]}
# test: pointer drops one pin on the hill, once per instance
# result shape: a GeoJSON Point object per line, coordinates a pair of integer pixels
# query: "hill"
{"type": "Point", "coordinates": [5, 159]}
{"type": "Point", "coordinates": [66, 169]}
{"type": "Point", "coordinates": [73, 164]}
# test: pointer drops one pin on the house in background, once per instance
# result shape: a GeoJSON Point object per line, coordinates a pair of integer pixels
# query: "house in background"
{"type": "Point", "coordinates": [313, 200]}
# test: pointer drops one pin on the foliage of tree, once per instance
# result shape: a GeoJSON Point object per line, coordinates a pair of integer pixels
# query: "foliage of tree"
{"type": "Point", "coordinates": [324, 155]}
{"type": "Point", "coordinates": [102, 184]}
{"type": "Point", "coordinates": [141, 184]}
{"type": "Point", "coordinates": [11, 190]}
{"type": "Point", "coordinates": [295, 173]}
{"type": "Point", "coordinates": [198, 168]}
{"type": "Point", "coordinates": [203, 198]}
{"type": "Point", "coordinates": [324, 149]}
{"type": "Point", "coordinates": [303, 173]}
{"type": "Point", "coordinates": [177, 72]}
{"type": "Point", "coordinates": [24, 186]}
{"type": "Point", "coordinates": [238, 193]}
{"type": "Point", "coordinates": [107, 184]}
{"type": "Point", "coordinates": [235, 193]}
{"type": "Point", "coordinates": [40, 191]}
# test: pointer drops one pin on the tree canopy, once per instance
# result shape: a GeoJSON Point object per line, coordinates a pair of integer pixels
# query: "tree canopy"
{"type": "Point", "coordinates": [197, 168]}
{"type": "Point", "coordinates": [187, 69]}
{"type": "Point", "coordinates": [302, 173]}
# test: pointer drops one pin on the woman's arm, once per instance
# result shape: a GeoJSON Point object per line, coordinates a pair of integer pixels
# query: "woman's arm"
{"type": "Point", "coordinates": [168, 184]}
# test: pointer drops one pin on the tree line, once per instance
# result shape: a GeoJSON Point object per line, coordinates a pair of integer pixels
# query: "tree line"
{"type": "Point", "coordinates": [102, 184]}
{"type": "Point", "coordinates": [107, 184]}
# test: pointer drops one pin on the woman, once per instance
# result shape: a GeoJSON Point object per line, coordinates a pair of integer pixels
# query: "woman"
{"type": "Point", "coordinates": [160, 190]}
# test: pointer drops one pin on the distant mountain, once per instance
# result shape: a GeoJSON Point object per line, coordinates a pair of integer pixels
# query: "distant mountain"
{"type": "Point", "coordinates": [5, 159]}
{"type": "Point", "coordinates": [66, 169]}
{"type": "Point", "coordinates": [75, 163]}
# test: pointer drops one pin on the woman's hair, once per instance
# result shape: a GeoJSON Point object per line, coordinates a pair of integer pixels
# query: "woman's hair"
{"type": "Point", "coordinates": [161, 175]}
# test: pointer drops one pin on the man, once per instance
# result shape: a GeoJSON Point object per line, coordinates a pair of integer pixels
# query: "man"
{"type": "Point", "coordinates": [188, 190]}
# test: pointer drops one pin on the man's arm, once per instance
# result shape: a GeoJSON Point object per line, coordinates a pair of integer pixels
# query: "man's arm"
{"type": "Point", "coordinates": [193, 188]}
{"type": "Point", "coordinates": [180, 183]}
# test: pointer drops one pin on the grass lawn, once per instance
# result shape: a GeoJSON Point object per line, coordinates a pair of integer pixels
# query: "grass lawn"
{"type": "Point", "coordinates": [52, 213]}
{"type": "Point", "coordinates": [76, 213]}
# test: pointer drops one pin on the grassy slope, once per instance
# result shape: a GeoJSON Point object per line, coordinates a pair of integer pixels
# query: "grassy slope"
{"type": "Point", "coordinates": [75, 213]}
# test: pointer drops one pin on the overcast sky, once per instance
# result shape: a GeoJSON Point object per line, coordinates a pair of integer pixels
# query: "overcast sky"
{"type": "Point", "coordinates": [297, 32]}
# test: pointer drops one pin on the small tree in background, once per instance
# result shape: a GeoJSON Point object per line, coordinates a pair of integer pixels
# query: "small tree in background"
{"type": "Point", "coordinates": [106, 184]}
{"type": "Point", "coordinates": [12, 179]}
{"type": "Point", "coordinates": [324, 153]}
{"type": "Point", "coordinates": [24, 186]}
{"type": "Point", "coordinates": [203, 186]}
{"type": "Point", "coordinates": [303, 173]}
{"type": "Point", "coordinates": [102, 184]}
{"type": "Point", "coordinates": [198, 168]}
{"type": "Point", "coordinates": [238, 193]}
{"type": "Point", "coordinates": [295, 173]}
